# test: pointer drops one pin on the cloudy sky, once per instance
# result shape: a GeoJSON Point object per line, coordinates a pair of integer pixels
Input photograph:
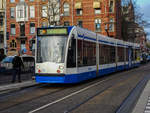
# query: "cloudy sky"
{"type": "Point", "coordinates": [144, 6]}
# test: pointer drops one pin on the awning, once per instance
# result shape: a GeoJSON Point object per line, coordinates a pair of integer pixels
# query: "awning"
{"type": "Point", "coordinates": [78, 5]}
{"type": "Point", "coordinates": [96, 4]}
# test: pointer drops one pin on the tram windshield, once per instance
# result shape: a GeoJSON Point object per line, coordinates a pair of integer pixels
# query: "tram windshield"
{"type": "Point", "coordinates": [51, 49]}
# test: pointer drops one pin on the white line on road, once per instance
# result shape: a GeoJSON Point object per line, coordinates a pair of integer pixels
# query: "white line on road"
{"type": "Point", "coordinates": [49, 104]}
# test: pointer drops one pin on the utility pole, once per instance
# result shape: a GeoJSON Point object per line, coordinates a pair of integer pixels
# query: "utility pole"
{"type": "Point", "coordinates": [72, 13]}
{"type": "Point", "coordinates": [5, 28]}
{"type": "Point", "coordinates": [38, 6]}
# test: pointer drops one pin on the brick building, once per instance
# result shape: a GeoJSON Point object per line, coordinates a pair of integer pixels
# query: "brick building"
{"type": "Point", "coordinates": [2, 25]}
{"type": "Point", "coordinates": [101, 16]}
{"type": "Point", "coordinates": [23, 17]}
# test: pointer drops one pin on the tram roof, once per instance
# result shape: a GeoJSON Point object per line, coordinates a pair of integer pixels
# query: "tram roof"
{"type": "Point", "coordinates": [90, 34]}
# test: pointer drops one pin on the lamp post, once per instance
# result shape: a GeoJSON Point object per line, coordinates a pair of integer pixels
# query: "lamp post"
{"type": "Point", "coordinates": [5, 29]}
{"type": "Point", "coordinates": [72, 13]}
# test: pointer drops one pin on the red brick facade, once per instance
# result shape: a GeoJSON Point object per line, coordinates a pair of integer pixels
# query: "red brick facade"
{"type": "Point", "coordinates": [88, 15]}
{"type": "Point", "coordinates": [37, 20]}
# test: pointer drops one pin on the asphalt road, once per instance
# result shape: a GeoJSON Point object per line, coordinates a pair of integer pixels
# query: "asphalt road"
{"type": "Point", "coordinates": [101, 95]}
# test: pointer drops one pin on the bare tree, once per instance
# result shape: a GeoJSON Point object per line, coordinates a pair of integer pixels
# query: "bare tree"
{"type": "Point", "coordinates": [132, 19]}
{"type": "Point", "coordinates": [53, 12]}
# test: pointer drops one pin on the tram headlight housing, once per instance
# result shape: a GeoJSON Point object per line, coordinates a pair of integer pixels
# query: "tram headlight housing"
{"type": "Point", "coordinates": [61, 67]}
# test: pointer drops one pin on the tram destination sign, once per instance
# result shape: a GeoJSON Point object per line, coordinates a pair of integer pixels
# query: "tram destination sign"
{"type": "Point", "coordinates": [52, 31]}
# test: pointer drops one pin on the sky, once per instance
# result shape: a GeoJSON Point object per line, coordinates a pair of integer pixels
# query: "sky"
{"type": "Point", "coordinates": [144, 7]}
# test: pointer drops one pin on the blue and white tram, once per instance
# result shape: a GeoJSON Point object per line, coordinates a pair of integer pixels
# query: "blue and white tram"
{"type": "Point", "coordinates": [72, 54]}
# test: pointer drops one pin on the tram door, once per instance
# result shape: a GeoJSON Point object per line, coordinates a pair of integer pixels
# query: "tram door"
{"type": "Point", "coordinates": [130, 57]}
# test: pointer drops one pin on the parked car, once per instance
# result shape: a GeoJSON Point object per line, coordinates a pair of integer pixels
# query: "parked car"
{"type": "Point", "coordinates": [148, 58]}
{"type": "Point", "coordinates": [144, 58]}
{"type": "Point", "coordinates": [7, 66]}
{"type": "Point", "coordinates": [29, 63]}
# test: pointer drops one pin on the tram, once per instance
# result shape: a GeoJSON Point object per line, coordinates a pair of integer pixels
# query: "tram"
{"type": "Point", "coordinates": [73, 54]}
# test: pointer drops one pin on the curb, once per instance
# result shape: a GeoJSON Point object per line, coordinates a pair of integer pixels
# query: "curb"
{"type": "Point", "coordinates": [129, 103]}
{"type": "Point", "coordinates": [17, 86]}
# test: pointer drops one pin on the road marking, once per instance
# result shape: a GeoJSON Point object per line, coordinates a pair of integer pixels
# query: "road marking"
{"type": "Point", "coordinates": [72, 94]}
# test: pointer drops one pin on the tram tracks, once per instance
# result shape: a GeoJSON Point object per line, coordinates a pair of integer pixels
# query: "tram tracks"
{"type": "Point", "coordinates": [102, 93]}
{"type": "Point", "coordinates": [70, 90]}
{"type": "Point", "coordinates": [80, 91]}
{"type": "Point", "coordinates": [20, 98]}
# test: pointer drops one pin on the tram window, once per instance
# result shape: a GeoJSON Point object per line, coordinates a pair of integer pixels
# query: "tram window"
{"type": "Point", "coordinates": [86, 53]}
{"type": "Point", "coordinates": [80, 53]}
{"type": "Point", "coordinates": [101, 57]}
{"type": "Point", "coordinates": [127, 54]}
{"type": "Point", "coordinates": [103, 54]}
{"type": "Point", "coordinates": [120, 54]}
{"type": "Point", "coordinates": [89, 53]}
{"type": "Point", "coordinates": [106, 54]}
{"type": "Point", "coordinates": [112, 54]}
{"type": "Point", "coordinates": [39, 58]}
{"type": "Point", "coordinates": [132, 55]}
{"type": "Point", "coordinates": [71, 59]}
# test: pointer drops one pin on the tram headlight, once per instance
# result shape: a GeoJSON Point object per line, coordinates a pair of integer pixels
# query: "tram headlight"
{"type": "Point", "coordinates": [61, 67]}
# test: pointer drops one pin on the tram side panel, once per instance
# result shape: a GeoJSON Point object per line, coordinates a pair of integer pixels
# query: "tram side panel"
{"type": "Point", "coordinates": [106, 59]}
{"type": "Point", "coordinates": [86, 59]}
{"type": "Point", "coordinates": [120, 61]}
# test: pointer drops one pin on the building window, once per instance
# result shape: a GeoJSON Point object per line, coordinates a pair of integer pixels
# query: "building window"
{"type": "Point", "coordinates": [12, 1]}
{"type": "Point", "coordinates": [13, 44]}
{"type": "Point", "coordinates": [32, 12]}
{"type": "Point", "coordinates": [97, 10]}
{"type": "Point", "coordinates": [1, 19]}
{"type": "Point", "coordinates": [31, 0]}
{"type": "Point", "coordinates": [44, 24]}
{"type": "Point", "coordinates": [66, 9]}
{"type": "Point", "coordinates": [66, 23]}
{"type": "Point", "coordinates": [23, 45]}
{"type": "Point", "coordinates": [32, 28]}
{"type": "Point", "coordinates": [97, 7]}
{"type": "Point", "coordinates": [79, 12]}
{"type": "Point", "coordinates": [12, 29]}
{"type": "Point", "coordinates": [22, 29]}
{"type": "Point", "coordinates": [12, 12]}
{"type": "Point", "coordinates": [97, 25]}
{"type": "Point", "coordinates": [80, 23]}
{"type": "Point", "coordinates": [21, 12]}
{"type": "Point", "coordinates": [111, 6]}
{"type": "Point", "coordinates": [44, 11]}
{"type": "Point", "coordinates": [111, 25]}
{"type": "Point", "coordinates": [21, 0]}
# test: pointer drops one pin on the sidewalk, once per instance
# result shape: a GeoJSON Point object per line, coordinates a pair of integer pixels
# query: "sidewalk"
{"type": "Point", "coordinates": [7, 86]}
{"type": "Point", "coordinates": [7, 78]}
{"type": "Point", "coordinates": [143, 104]}
{"type": "Point", "coordinates": [15, 86]}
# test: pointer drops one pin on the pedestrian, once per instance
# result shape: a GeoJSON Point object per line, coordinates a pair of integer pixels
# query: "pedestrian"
{"type": "Point", "coordinates": [17, 64]}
